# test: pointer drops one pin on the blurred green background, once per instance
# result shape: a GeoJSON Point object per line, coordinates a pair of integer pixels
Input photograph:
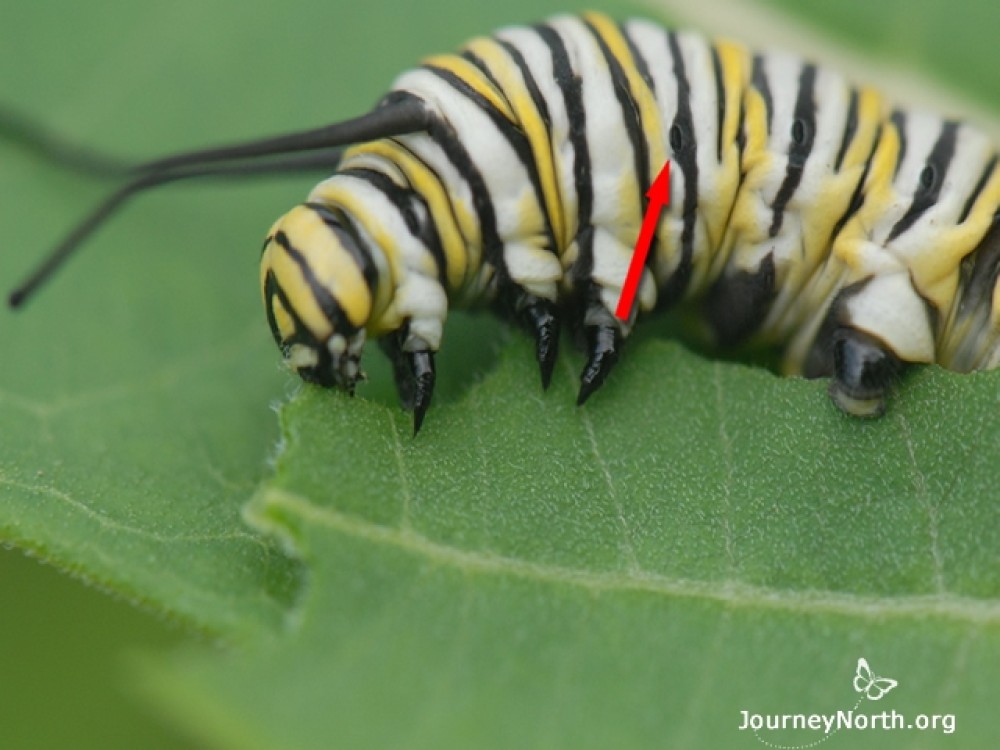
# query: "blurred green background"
{"type": "Point", "coordinates": [64, 649]}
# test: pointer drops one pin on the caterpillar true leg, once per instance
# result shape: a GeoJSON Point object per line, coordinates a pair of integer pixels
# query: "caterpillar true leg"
{"type": "Point", "coordinates": [604, 342]}
{"type": "Point", "coordinates": [413, 373]}
{"type": "Point", "coordinates": [541, 318]}
{"type": "Point", "coordinates": [422, 366]}
{"type": "Point", "coordinates": [402, 370]}
{"type": "Point", "coordinates": [806, 212]}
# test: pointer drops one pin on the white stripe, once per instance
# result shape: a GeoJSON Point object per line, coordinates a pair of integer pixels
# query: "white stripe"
{"type": "Point", "coordinates": [616, 203]}
{"type": "Point", "coordinates": [506, 178]}
{"type": "Point", "coordinates": [538, 58]}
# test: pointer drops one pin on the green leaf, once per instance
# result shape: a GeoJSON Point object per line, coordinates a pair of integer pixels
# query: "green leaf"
{"type": "Point", "coordinates": [704, 538]}
{"type": "Point", "coordinates": [700, 539]}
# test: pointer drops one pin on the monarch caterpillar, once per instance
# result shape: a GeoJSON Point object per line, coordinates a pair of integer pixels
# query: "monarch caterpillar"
{"type": "Point", "coordinates": [807, 211]}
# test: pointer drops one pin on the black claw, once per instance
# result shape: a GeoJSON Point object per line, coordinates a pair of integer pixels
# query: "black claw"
{"type": "Point", "coordinates": [603, 343]}
{"type": "Point", "coordinates": [402, 371]}
{"type": "Point", "coordinates": [540, 316]}
{"type": "Point", "coordinates": [414, 376]}
{"type": "Point", "coordinates": [422, 364]}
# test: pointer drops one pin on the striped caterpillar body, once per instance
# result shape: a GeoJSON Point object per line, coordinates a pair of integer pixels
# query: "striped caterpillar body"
{"type": "Point", "coordinates": [806, 212]}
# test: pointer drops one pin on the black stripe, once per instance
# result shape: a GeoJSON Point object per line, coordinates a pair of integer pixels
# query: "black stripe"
{"type": "Point", "coordinates": [301, 334]}
{"type": "Point", "coordinates": [510, 130]}
{"type": "Point", "coordinates": [272, 289]}
{"type": "Point", "coordinates": [927, 192]}
{"type": "Point", "coordinates": [507, 128]}
{"type": "Point", "coordinates": [349, 239]}
{"type": "Point", "coordinates": [570, 86]}
{"type": "Point", "coordinates": [403, 200]}
{"type": "Point", "coordinates": [850, 128]}
{"type": "Point", "coordinates": [319, 373]}
{"type": "Point", "coordinates": [483, 68]}
{"type": "Point", "coordinates": [758, 79]}
{"type": "Point", "coordinates": [630, 116]}
{"type": "Point", "coordinates": [978, 189]}
{"type": "Point", "coordinates": [326, 301]}
{"type": "Point", "coordinates": [858, 197]}
{"type": "Point", "coordinates": [898, 118]}
{"type": "Point", "coordinates": [437, 177]}
{"type": "Point", "coordinates": [537, 98]}
{"type": "Point", "coordinates": [643, 68]}
{"type": "Point", "coordinates": [686, 157]}
{"type": "Point", "coordinates": [720, 98]}
{"type": "Point", "coordinates": [803, 135]}
{"type": "Point", "coordinates": [445, 137]}
{"type": "Point", "coordinates": [741, 134]}
{"type": "Point", "coordinates": [640, 62]}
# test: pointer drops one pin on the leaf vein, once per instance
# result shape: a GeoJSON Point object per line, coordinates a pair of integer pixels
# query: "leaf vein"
{"type": "Point", "coordinates": [404, 483]}
{"type": "Point", "coordinates": [727, 456]}
{"type": "Point", "coordinates": [110, 524]}
{"type": "Point", "coordinates": [627, 546]}
{"type": "Point", "coordinates": [920, 483]}
{"type": "Point", "coordinates": [734, 594]}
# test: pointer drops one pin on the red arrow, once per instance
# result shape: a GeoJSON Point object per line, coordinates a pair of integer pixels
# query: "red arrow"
{"type": "Point", "coordinates": [659, 198]}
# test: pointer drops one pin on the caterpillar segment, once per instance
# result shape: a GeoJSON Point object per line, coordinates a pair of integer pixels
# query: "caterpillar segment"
{"type": "Point", "coordinates": [806, 212]}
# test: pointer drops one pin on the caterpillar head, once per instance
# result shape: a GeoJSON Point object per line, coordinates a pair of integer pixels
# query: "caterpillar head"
{"type": "Point", "coordinates": [317, 294]}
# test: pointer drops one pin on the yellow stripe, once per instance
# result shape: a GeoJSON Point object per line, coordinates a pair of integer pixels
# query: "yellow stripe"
{"type": "Point", "coordinates": [332, 266]}
{"type": "Point", "coordinates": [286, 325]}
{"type": "Point", "coordinates": [529, 119]}
{"type": "Point", "coordinates": [756, 165]}
{"type": "Point", "coordinates": [265, 259]}
{"type": "Point", "coordinates": [755, 152]}
{"type": "Point", "coordinates": [872, 111]}
{"type": "Point", "coordinates": [475, 78]}
{"type": "Point", "coordinates": [335, 192]}
{"type": "Point", "coordinates": [987, 201]}
{"type": "Point", "coordinates": [649, 111]}
{"type": "Point", "coordinates": [935, 272]}
{"type": "Point", "coordinates": [735, 80]}
{"type": "Point", "coordinates": [879, 192]}
{"type": "Point", "coordinates": [426, 183]}
{"type": "Point", "coordinates": [851, 243]}
{"type": "Point", "coordinates": [293, 284]}
{"type": "Point", "coordinates": [735, 69]}
{"type": "Point", "coordinates": [884, 161]}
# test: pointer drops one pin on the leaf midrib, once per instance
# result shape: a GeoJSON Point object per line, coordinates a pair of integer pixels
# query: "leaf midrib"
{"type": "Point", "coordinates": [953, 607]}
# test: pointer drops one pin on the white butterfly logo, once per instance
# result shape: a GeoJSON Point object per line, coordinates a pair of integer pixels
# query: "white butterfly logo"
{"type": "Point", "coordinates": [866, 682]}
